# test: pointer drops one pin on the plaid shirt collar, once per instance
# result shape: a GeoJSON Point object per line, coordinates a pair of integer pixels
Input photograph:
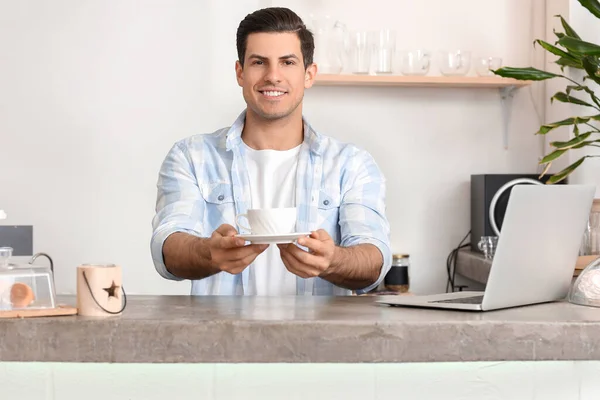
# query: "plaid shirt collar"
{"type": "Point", "coordinates": [233, 137]}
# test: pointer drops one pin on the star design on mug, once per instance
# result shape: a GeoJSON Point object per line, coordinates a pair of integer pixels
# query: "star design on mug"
{"type": "Point", "coordinates": [112, 290]}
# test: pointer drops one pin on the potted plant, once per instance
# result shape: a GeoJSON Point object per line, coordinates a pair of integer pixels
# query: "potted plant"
{"type": "Point", "coordinates": [572, 52]}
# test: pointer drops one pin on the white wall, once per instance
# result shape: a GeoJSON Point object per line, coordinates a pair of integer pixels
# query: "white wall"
{"type": "Point", "coordinates": [93, 94]}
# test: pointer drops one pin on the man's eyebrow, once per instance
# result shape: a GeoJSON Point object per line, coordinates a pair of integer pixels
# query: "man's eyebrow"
{"type": "Point", "coordinates": [257, 56]}
{"type": "Point", "coordinates": [263, 58]}
{"type": "Point", "coordinates": [287, 57]}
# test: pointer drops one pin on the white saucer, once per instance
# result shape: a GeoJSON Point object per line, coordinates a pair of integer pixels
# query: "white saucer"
{"type": "Point", "coordinates": [274, 238]}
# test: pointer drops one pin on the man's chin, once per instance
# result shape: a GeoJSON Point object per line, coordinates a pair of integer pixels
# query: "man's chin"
{"type": "Point", "coordinates": [273, 115]}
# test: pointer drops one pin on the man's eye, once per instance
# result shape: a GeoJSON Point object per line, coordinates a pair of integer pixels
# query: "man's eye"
{"type": "Point", "coordinates": [257, 62]}
{"type": "Point", "coordinates": [289, 62]}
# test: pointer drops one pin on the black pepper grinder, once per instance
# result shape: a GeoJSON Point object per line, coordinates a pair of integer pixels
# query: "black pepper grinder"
{"type": "Point", "coordinates": [397, 279]}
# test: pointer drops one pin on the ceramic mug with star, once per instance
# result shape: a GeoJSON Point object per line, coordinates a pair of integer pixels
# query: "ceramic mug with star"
{"type": "Point", "coordinates": [100, 290]}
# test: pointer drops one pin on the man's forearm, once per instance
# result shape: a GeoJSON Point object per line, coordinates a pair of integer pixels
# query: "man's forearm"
{"type": "Point", "coordinates": [354, 267]}
{"type": "Point", "coordinates": [187, 256]}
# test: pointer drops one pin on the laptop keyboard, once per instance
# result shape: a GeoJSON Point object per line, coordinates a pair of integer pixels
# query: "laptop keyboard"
{"type": "Point", "coordinates": [464, 300]}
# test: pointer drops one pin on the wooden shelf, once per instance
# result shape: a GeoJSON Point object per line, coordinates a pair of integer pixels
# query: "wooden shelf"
{"type": "Point", "coordinates": [419, 81]}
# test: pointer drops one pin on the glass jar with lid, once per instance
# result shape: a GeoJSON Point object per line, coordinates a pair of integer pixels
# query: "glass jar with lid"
{"type": "Point", "coordinates": [397, 279]}
{"type": "Point", "coordinates": [24, 286]}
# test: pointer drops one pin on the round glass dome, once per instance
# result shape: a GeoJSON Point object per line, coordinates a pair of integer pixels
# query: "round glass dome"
{"type": "Point", "coordinates": [586, 289]}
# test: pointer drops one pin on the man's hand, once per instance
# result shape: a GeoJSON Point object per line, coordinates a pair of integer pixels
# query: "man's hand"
{"type": "Point", "coordinates": [312, 263]}
{"type": "Point", "coordinates": [352, 268]}
{"type": "Point", "coordinates": [228, 253]}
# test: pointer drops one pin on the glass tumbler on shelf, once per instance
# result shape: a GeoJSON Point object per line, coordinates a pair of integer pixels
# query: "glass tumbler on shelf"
{"type": "Point", "coordinates": [455, 63]}
{"type": "Point", "coordinates": [484, 65]}
{"type": "Point", "coordinates": [415, 62]}
{"type": "Point", "coordinates": [384, 49]}
{"type": "Point", "coordinates": [488, 245]}
{"type": "Point", "coordinates": [329, 45]}
{"type": "Point", "coordinates": [360, 52]}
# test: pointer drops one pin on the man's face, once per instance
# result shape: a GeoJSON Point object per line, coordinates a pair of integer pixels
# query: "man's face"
{"type": "Point", "coordinates": [273, 77]}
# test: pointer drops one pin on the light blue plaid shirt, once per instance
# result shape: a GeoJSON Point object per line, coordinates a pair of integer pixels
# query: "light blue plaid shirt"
{"type": "Point", "coordinates": [203, 183]}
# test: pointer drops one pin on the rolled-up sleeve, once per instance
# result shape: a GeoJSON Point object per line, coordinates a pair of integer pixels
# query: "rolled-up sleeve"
{"type": "Point", "coordinates": [179, 204]}
{"type": "Point", "coordinates": [362, 211]}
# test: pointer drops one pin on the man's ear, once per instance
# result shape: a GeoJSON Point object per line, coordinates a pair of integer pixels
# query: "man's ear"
{"type": "Point", "coordinates": [238, 73]}
{"type": "Point", "coordinates": [310, 75]}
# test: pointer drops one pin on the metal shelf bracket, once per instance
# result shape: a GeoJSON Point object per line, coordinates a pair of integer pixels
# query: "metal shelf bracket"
{"type": "Point", "coordinates": [506, 95]}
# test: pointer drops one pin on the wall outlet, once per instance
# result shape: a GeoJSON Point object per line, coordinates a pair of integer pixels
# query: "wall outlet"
{"type": "Point", "coordinates": [19, 237]}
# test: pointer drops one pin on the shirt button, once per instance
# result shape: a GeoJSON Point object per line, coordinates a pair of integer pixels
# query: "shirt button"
{"type": "Point", "coordinates": [221, 197]}
{"type": "Point", "coordinates": [326, 202]}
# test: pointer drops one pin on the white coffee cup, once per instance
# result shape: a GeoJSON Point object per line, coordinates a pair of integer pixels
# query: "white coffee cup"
{"type": "Point", "coordinates": [269, 221]}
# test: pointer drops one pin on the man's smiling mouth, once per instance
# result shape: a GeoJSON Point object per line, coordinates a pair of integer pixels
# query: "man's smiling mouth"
{"type": "Point", "coordinates": [272, 94]}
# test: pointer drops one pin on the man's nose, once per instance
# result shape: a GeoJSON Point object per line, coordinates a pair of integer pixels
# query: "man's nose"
{"type": "Point", "coordinates": [273, 74]}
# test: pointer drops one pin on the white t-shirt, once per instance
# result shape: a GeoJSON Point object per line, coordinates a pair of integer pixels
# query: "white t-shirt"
{"type": "Point", "coordinates": [272, 185]}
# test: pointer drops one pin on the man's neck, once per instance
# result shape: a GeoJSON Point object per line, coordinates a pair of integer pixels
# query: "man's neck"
{"type": "Point", "coordinates": [280, 134]}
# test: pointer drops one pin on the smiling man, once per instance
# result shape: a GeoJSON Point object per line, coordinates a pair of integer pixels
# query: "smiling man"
{"type": "Point", "coordinates": [271, 158]}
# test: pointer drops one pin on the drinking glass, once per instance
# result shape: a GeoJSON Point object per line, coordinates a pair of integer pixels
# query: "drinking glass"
{"type": "Point", "coordinates": [384, 48]}
{"type": "Point", "coordinates": [455, 63]}
{"type": "Point", "coordinates": [360, 52]}
{"type": "Point", "coordinates": [488, 245]}
{"type": "Point", "coordinates": [484, 65]}
{"type": "Point", "coordinates": [415, 62]}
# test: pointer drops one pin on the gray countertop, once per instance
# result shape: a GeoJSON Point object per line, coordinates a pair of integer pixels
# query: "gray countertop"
{"type": "Point", "coordinates": [183, 329]}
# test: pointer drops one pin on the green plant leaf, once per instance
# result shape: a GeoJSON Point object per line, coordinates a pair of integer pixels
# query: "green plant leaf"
{"type": "Point", "coordinates": [566, 62]}
{"type": "Point", "coordinates": [526, 74]}
{"type": "Point", "coordinates": [565, 98]}
{"type": "Point", "coordinates": [568, 30]}
{"type": "Point", "coordinates": [545, 170]}
{"type": "Point", "coordinates": [565, 172]}
{"type": "Point", "coordinates": [552, 156]}
{"type": "Point", "coordinates": [579, 46]}
{"type": "Point", "coordinates": [558, 35]}
{"type": "Point", "coordinates": [586, 89]}
{"type": "Point", "coordinates": [586, 143]}
{"type": "Point", "coordinates": [565, 122]}
{"type": "Point", "coordinates": [591, 67]}
{"type": "Point", "coordinates": [592, 5]}
{"type": "Point", "coordinates": [571, 143]}
{"type": "Point", "coordinates": [555, 50]}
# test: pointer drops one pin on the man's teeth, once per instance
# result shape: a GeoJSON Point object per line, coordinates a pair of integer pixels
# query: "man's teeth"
{"type": "Point", "coordinates": [273, 94]}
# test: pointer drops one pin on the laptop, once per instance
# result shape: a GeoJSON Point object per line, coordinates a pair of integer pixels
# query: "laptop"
{"type": "Point", "coordinates": [536, 253]}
